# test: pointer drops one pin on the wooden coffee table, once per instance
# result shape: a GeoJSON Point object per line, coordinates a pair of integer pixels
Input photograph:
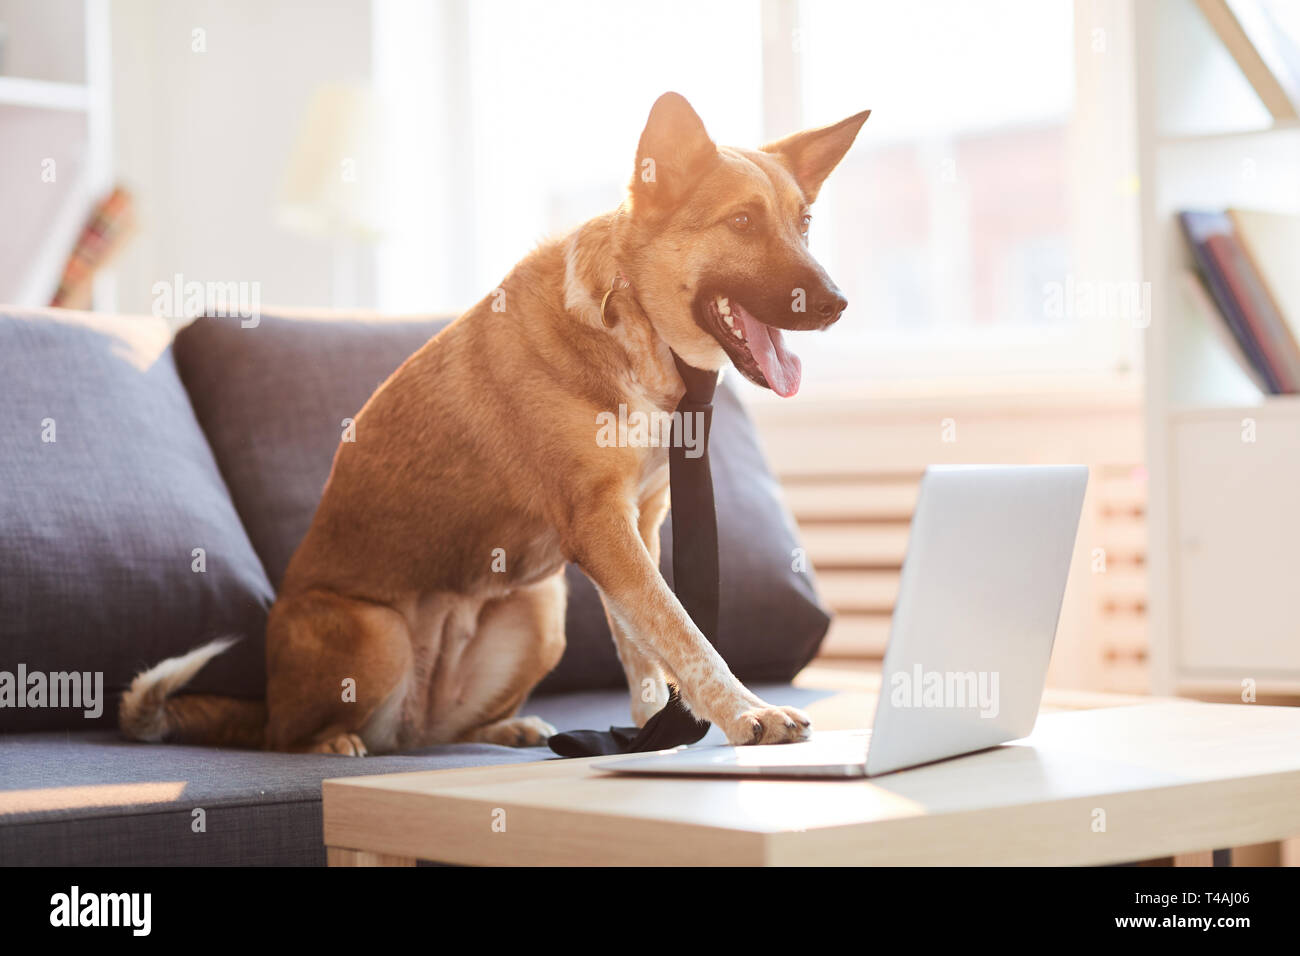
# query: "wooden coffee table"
{"type": "Point", "coordinates": [1102, 785]}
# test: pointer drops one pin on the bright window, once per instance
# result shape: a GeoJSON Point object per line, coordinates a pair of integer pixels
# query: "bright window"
{"type": "Point", "coordinates": [946, 225]}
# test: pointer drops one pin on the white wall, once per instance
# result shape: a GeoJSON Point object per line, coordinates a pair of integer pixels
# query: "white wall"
{"type": "Point", "coordinates": [202, 138]}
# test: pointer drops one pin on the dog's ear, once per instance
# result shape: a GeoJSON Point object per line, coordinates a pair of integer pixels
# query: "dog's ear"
{"type": "Point", "coordinates": [674, 153]}
{"type": "Point", "coordinates": [812, 154]}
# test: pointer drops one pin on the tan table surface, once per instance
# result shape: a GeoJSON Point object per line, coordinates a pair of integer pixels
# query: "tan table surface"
{"type": "Point", "coordinates": [1147, 778]}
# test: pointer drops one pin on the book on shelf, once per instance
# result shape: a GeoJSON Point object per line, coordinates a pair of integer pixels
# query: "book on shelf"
{"type": "Point", "coordinates": [1209, 358]}
{"type": "Point", "coordinates": [1270, 331]}
{"type": "Point", "coordinates": [110, 224]}
{"type": "Point", "coordinates": [1251, 305]}
{"type": "Point", "coordinates": [1272, 241]}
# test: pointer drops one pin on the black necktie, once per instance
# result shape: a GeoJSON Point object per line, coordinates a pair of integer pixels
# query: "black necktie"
{"type": "Point", "coordinates": [695, 576]}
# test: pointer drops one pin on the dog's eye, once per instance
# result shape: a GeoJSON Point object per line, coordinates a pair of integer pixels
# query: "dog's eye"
{"type": "Point", "coordinates": [740, 221]}
{"type": "Point", "coordinates": [804, 222]}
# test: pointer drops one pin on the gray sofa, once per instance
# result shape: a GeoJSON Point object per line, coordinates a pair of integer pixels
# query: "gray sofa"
{"type": "Point", "coordinates": [152, 491]}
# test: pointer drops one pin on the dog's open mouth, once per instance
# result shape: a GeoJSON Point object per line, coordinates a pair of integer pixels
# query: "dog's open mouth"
{"type": "Point", "coordinates": [757, 350]}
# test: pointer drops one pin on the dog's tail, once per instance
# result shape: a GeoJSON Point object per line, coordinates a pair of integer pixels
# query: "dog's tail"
{"type": "Point", "coordinates": [148, 711]}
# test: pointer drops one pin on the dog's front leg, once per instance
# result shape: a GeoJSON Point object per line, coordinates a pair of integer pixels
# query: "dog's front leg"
{"type": "Point", "coordinates": [646, 683]}
{"type": "Point", "coordinates": [605, 543]}
{"type": "Point", "coordinates": [644, 671]}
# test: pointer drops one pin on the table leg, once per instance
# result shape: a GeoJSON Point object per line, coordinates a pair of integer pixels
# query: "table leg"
{"type": "Point", "coordinates": [341, 856]}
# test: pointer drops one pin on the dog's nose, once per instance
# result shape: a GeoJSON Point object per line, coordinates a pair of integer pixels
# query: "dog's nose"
{"type": "Point", "coordinates": [831, 305]}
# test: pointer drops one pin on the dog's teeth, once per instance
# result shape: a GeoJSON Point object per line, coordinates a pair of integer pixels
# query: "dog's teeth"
{"type": "Point", "coordinates": [737, 333]}
{"type": "Point", "coordinates": [726, 317]}
{"type": "Point", "coordinates": [724, 304]}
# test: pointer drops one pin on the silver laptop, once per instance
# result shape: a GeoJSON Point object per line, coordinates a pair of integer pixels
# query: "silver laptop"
{"type": "Point", "coordinates": [971, 637]}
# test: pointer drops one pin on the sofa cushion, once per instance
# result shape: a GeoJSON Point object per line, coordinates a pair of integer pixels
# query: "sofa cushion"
{"type": "Point", "coordinates": [107, 488]}
{"type": "Point", "coordinates": [94, 799]}
{"type": "Point", "coordinates": [272, 400]}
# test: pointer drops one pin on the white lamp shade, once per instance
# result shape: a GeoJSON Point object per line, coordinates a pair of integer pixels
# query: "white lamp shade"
{"type": "Point", "coordinates": [330, 187]}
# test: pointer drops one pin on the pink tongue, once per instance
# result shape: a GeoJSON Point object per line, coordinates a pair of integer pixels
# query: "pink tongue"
{"type": "Point", "coordinates": [779, 365]}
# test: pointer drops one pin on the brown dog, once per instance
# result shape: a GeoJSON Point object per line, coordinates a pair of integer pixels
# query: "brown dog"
{"type": "Point", "coordinates": [427, 598]}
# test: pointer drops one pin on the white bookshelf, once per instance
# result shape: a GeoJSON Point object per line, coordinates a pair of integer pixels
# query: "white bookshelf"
{"type": "Point", "coordinates": [43, 94]}
{"type": "Point", "coordinates": [1224, 511]}
{"type": "Point", "coordinates": [54, 107]}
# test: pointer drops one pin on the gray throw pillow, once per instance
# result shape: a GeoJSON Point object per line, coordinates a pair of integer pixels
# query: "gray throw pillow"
{"type": "Point", "coordinates": [107, 490]}
{"type": "Point", "coordinates": [272, 400]}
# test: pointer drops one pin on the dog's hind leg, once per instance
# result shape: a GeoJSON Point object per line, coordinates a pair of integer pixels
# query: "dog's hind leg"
{"type": "Point", "coordinates": [513, 732]}
{"type": "Point", "coordinates": [517, 639]}
{"type": "Point", "coordinates": [332, 664]}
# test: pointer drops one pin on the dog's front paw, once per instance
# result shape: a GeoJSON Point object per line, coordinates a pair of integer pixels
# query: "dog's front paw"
{"type": "Point", "coordinates": [768, 725]}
